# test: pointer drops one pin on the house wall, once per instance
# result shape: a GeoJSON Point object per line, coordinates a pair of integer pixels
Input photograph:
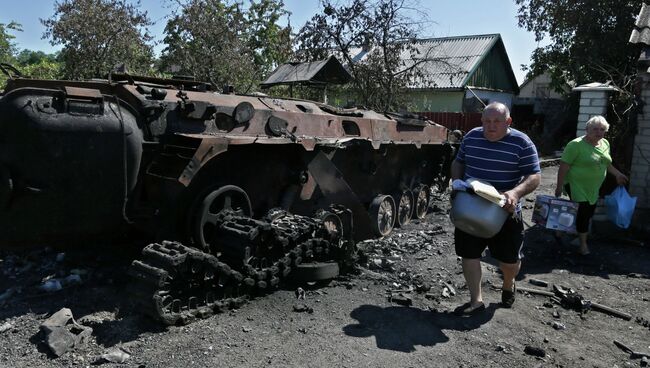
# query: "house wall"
{"type": "Point", "coordinates": [640, 172]}
{"type": "Point", "coordinates": [538, 87]}
{"type": "Point", "coordinates": [440, 101]}
{"type": "Point", "coordinates": [491, 96]}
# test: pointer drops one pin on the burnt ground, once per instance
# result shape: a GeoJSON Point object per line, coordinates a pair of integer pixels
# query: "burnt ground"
{"type": "Point", "coordinates": [353, 322]}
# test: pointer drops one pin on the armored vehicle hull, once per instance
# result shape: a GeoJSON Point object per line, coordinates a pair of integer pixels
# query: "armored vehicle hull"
{"type": "Point", "coordinates": [85, 159]}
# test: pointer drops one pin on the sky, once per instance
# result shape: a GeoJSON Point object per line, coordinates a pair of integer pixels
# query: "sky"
{"type": "Point", "coordinates": [448, 18]}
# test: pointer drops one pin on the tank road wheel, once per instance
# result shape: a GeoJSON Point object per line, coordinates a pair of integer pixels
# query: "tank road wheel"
{"type": "Point", "coordinates": [331, 224]}
{"type": "Point", "coordinates": [422, 197]}
{"type": "Point", "coordinates": [315, 272]}
{"type": "Point", "coordinates": [382, 213]}
{"type": "Point", "coordinates": [405, 204]}
{"type": "Point", "coordinates": [227, 197]}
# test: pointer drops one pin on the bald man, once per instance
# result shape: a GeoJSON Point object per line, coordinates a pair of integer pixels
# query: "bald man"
{"type": "Point", "coordinates": [507, 159]}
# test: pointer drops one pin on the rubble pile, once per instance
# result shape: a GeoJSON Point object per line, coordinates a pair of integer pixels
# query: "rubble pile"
{"type": "Point", "coordinates": [384, 252]}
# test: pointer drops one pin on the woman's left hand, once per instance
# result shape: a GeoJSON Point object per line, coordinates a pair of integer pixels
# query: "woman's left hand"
{"type": "Point", "coordinates": [621, 179]}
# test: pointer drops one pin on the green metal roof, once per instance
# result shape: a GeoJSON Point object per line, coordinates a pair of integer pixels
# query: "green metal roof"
{"type": "Point", "coordinates": [450, 63]}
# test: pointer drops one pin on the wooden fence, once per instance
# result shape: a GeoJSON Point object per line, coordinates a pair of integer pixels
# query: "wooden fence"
{"type": "Point", "coordinates": [464, 121]}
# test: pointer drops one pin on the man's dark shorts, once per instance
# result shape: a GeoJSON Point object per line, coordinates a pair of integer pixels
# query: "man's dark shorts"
{"type": "Point", "coordinates": [505, 246]}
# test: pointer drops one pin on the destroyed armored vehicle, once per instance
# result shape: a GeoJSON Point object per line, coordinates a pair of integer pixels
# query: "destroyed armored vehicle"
{"type": "Point", "coordinates": [255, 185]}
{"type": "Point", "coordinates": [86, 158]}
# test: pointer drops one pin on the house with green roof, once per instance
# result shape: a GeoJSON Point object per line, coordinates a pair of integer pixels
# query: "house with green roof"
{"type": "Point", "coordinates": [464, 69]}
{"type": "Point", "coordinates": [458, 71]}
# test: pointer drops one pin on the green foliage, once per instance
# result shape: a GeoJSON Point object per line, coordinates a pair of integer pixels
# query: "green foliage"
{"type": "Point", "coordinates": [30, 57]}
{"type": "Point", "coordinates": [589, 43]}
{"type": "Point", "coordinates": [219, 42]}
{"type": "Point", "coordinates": [98, 35]}
{"type": "Point", "coordinates": [43, 69]}
{"type": "Point", "coordinates": [7, 47]}
{"type": "Point", "coordinates": [35, 64]}
{"type": "Point", "coordinates": [381, 78]}
{"type": "Point", "coordinates": [271, 43]}
{"type": "Point", "coordinates": [589, 39]}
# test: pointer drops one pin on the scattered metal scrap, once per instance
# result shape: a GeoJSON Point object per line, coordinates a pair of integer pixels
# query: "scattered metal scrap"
{"type": "Point", "coordinates": [534, 351]}
{"type": "Point", "coordinates": [401, 299]}
{"type": "Point", "coordinates": [63, 333]}
{"type": "Point", "coordinates": [643, 322]}
{"type": "Point", "coordinates": [6, 327]}
{"type": "Point", "coordinates": [633, 354]}
{"type": "Point", "coordinates": [115, 355]}
{"type": "Point", "coordinates": [537, 282]}
{"type": "Point", "coordinates": [568, 298]}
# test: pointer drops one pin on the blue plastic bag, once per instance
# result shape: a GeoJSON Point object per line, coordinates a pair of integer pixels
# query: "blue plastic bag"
{"type": "Point", "coordinates": [620, 207]}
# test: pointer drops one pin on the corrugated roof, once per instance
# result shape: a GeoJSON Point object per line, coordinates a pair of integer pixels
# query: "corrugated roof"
{"type": "Point", "coordinates": [448, 62]}
{"type": "Point", "coordinates": [329, 70]}
{"type": "Point", "coordinates": [641, 31]}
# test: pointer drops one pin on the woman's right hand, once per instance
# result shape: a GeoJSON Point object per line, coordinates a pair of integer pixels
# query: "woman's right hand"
{"type": "Point", "coordinates": [558, 192]}
{"type": "Point", "coordinates": [621, 179]}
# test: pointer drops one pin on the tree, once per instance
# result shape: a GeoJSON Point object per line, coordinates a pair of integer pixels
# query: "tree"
{"type": "Point", "coordinates": [589, 39]}
{"type": "Point", "coordinates": [98, 35]}
{"type": "Point", "coordinates": [222, 43]}
{"type": "Point", "coordinates": [380, 26]}
{"type": "Point", "coordinates": [589, 43]}
{"type": "Point", "coordinates": [30, 57]}
{"type": "Point", "coordinates": [271, 43]}
{"type": "Point", "coordinates": [35, 64]}
{"type": "Point", "coordinates": [40, 65]}
{"type": "Point", "coordinates": [7, 47]}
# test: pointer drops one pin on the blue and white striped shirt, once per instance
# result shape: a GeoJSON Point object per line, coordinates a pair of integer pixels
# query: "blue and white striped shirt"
{"type": "Point", "coordinates": [503, 163]}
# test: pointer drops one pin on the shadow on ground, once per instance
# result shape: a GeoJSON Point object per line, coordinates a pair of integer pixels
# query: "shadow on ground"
{"type": "Point", "coordinates": [403, 329]}
{"type": "Point", "coordinates": [612, 255]}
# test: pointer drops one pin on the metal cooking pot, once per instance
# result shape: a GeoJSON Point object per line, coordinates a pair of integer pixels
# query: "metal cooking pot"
{"type": "Point", "coordinates": [477, 216]}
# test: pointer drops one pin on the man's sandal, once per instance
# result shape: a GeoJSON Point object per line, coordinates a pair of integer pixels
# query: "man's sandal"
{"type": "Point", "coordinates": [508, 297]}
{"type": "Point", "coordinates": [467, 310]}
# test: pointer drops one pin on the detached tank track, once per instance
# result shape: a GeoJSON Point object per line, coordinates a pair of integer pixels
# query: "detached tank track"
{"type": "Point", "coordinates": [176, 284]}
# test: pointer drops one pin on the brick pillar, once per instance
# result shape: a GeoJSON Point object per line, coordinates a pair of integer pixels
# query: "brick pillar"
{"type": "Point", "coordinates": [593, 101]}
{"type": "Point", "coordinates": [640, 171]}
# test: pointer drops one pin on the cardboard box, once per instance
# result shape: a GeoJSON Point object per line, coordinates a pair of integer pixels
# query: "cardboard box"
{"type": "Point", "coordinates": [555, 213]}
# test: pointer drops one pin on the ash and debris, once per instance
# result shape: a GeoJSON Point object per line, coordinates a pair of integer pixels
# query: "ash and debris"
{"type": "Point", "coordinates": [41, 272]}
{"type": "Point", "coordinates": [414, 266]}
{"type": "Point", "coordinates": [390, 260]}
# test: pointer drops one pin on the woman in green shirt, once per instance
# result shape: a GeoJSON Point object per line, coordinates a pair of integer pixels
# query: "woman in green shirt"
{"type": "Point", "coordinates": [584, 164]}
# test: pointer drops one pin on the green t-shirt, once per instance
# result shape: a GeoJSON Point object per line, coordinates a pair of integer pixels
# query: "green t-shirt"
{"type": "Point", "coordinates": [588, 168]}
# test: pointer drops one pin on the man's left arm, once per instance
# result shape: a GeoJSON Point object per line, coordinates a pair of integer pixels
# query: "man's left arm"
{"type": "Point", "coordinates": [528, 185]}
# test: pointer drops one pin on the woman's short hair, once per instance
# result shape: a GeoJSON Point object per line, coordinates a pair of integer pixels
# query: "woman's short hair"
{"type": "Point", "coordinates": [597, 120]}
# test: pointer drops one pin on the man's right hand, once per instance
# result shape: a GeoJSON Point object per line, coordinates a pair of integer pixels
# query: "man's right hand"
{"type": "Point", "coordinates": [558, 192]}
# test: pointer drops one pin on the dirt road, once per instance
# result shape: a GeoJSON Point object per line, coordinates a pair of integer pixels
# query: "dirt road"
{"type": "Point", "coordinates": [353, 324]}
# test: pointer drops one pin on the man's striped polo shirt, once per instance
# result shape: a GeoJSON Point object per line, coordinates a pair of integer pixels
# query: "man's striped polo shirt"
{"type": "Point", "coordinates": [503, 163]}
